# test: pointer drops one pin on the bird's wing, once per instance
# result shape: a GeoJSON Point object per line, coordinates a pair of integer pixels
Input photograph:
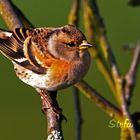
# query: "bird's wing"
{"type": "Point", "coordinates": [16, 46]}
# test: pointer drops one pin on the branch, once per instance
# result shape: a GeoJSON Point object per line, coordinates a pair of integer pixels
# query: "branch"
{"type": "Point", "coordinates": [53, 114]}
{"type": "Point", "coordinates": [100, 101]}
{"type": "Point", "coordinates": [95, 27]}
{"type": "Point", "coordinates": [21, 16]}
{"type": "Point", "coordinates": [130, 78]}
{"type": "Point", "coordinates": [92, 35]}
{"type": "Point", "coordinates": [107, 107]}
{"type": "Point", "coordinates": [78, 116]}
{"type": "Point", "coordinates": [74, 13]}
{"type": "Point", "coordinates": [100, 32]}
{"type": "Point", "coordinates": [9, 15]}
{"type": "Point", "coordinates": [125, 135]}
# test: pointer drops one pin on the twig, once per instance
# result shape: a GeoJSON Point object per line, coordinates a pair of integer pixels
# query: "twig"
{"type": "Point", "coordinates": [74, 13]}
{"type": "Point", "coordinates": [92, 35]}
{"type": "Point", "coordinates": [9, 15]}
{"type": "Point", "coordinates": [100, 101]}
{"type": "Point", "coordinates": [101, 35]}
{"type": "Point", "coordinates": [95, 27]}
{"type": "Point", "coordinates": [125, 135]}
{"type": "Point", "coordinates": [130, 78]}
{"type": "Point", "coordinates": [78, 115]}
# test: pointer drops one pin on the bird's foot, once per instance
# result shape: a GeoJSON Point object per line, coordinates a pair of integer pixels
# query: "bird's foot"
{"type": "Point", "coordinates": [55, 110]}
{"type": "Point", "coordinates": [49, 103]}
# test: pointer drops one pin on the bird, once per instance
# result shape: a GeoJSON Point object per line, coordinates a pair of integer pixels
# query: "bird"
{"type": "Point", "coordinates": [47, 58]}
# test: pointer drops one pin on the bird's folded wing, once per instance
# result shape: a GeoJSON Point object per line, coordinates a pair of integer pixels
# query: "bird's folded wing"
{"type": "Point", "coordinates": [11, 45]}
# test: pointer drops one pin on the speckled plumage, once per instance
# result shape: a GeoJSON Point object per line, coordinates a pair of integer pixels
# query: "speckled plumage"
{"type": "Point", "coordinates": [47, 58]}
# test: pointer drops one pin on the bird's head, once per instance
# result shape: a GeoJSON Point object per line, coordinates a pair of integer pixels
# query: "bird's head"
{"type": "Point", "coordinates": [68, 43]}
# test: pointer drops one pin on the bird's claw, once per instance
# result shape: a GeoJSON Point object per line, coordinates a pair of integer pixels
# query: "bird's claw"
{"type": "Point", "coordinates": [57, 111]}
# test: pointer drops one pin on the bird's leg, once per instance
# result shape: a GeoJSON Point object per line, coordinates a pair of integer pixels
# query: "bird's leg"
{"type": "Point", "coordinates": [49, 101]}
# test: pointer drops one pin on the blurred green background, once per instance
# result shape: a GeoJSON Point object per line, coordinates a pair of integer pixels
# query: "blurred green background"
{"type": "Point", "coordinates": [20, 107]}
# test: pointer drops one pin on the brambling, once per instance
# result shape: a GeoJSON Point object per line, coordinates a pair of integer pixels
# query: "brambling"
{"type": "Point", "coordinates": [47, 58]}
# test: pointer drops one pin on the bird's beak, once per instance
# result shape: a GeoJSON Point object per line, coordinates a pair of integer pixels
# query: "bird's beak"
{"type": "Point", "coordinates": [85, 45]}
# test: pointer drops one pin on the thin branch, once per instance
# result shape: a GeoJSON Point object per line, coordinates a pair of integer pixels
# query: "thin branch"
{"type": "Point", "coordinates": [107, 107]}
{"type": "Point", "coordinates": [92, 35]}
{"type": "Point", "coordinates": [74, 13]}
{"type": "Point", "coordinates": [78, 114]}
{"type": "Point", "coordinates": [95, 28]}
{"type": "Point", "coordinates": [125, 135]}
{"type": "Point", "coordinates": [101, 34]}
{"type": "Point", "coordinates": [130, 78]}
{"type": "Point", "coordinates": [98, 30]}
{"type": "Point", "coordinates": [100, 101]}
{"type": "Point", "coordinates": [9, 15]}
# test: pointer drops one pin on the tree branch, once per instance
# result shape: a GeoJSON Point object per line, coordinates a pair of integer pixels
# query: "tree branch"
{"type": "Point", "coordinates": [78, 114]}
{"type": "Point", "coordinates": [25, 21]}
{"type": "Point", "coordinates": [100, 101]}
{"type": "Point", "coordinates": [9, 15]}
{"type": "Point", "coordinates": [74, 13]}
{"type": "Point", "coordinates": [53, 114]}
{"type": "Point", "coordinates": [92, 35]}
{"type": "Point", "coordinates": [130, 78]}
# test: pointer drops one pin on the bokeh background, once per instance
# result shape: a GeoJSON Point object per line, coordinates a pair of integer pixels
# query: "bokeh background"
{"type": "Point", "coordinates": [20, 107]}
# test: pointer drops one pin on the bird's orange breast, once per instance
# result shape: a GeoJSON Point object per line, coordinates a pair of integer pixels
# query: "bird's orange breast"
{"type": "Point", "coordinates": [60, 68]}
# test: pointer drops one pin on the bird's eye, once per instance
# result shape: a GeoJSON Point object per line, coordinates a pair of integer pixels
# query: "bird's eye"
{"type": "Point", "coordinates": [71, 44]}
